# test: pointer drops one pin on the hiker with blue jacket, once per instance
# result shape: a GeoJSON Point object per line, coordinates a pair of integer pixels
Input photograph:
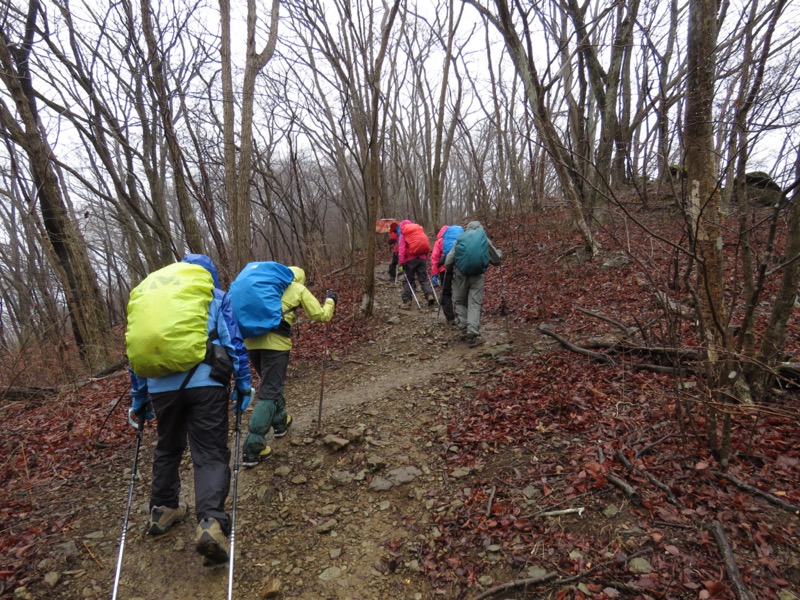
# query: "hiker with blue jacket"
{"type": "Point", "coordinates": [269, 353]}
{"type": "Point", "coordinates": [190, 404]}
{"type": "Point", "coordinates": [471, 256]}
{"type": "Point", "coordinates": [446, 239]}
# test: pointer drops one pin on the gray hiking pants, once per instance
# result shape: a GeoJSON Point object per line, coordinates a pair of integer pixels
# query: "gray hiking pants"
{"type": "Point", "coordinates": [200, 413]}
{"type": "Point", "coordinates": [468, 301]}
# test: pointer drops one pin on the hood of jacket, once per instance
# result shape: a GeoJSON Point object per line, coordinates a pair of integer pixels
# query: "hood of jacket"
{"type": "Point", "coordinates": [404, 226]}
{"type": "Point", "coordinates": [299, 275]}
{"type": "Point", "coordinates": [205, 262]}
{"type": "Point", "coordinates": [472, 225]}
{"type": "Point", "coordinates": [440, 235]}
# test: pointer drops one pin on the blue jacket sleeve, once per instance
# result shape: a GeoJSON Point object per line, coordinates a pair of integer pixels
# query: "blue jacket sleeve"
{"type": "Point", "coordinates": [138, 390]}
{"type": "Point", "coordinates": [231, 338]}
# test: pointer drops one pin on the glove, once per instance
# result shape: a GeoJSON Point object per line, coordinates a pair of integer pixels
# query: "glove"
{"type": "Point", "coordinates": [141, 406]}
{"type": "Point", "coordinates": [333, 296]}
{"type": "Point", "coordinates": [435, 280]}
{"type": "Point", "coordinates": [400, 269]}
{"type": "Point", "coordinates": [244, 394]}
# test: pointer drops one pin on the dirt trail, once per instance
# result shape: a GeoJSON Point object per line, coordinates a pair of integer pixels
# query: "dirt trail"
{"type": "Point", "coordinates": [314, 521]}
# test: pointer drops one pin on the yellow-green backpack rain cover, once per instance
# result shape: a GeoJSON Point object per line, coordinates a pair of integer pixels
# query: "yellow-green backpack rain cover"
{"type": "Point", "coordinates": [168, 320]}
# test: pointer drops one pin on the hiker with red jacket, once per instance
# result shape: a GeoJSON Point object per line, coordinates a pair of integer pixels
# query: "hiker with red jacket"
{"type": "Point", "coordinates": [471, 256]}
{"type": "Point", "coordinates": [394, 234]}
{"type": "Point", "coordinates": [412, 252]}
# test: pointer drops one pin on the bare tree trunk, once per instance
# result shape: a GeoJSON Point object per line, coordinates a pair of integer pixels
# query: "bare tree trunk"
{"type": "Point", "coordinates": [372, 182]}
{"type": "Point", "coordinates": [705, 209]}
{"type": "Point", "coordinates": [523, 63]}
{"type": "Point", "coordinates": [194, 240]}
{"type": "Point", "coordinates": [86, 306]}
{"type": "Point", "coordinates": [254, 63]}
{"type": "Point", "coordinates": [238, 177]}
{"type": "Point", "coordinates": [229, 135]}
{"type": "Point", "coordinates": [774, 340]}
{"type": "Point", "coordinates": [662, 113]}
{"type": "Point", "coordinates": [442, 145]}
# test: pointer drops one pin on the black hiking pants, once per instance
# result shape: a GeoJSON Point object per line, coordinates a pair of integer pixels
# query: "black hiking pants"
{"type": "Point", "coordinates": [447, 295]}
{"type": "Point", "coordinates": [270, 408]}
{"type": "Point", "coordinates": [393, 266]}
{"type": "Point", "coordinates": [201, 414]}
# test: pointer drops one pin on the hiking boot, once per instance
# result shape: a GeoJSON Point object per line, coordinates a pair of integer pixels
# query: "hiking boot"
{"type": "Point", "coordinates": [474, 341]}
{"type": "Point", "coordinates": [405, 305]}
{"type": "Point", "coordinates": [280, 434]}
{"type": "Point", "coordinates": [431, 300]}
{"type": "Point", "coordinates": [452, 323]}
{"type": "Point", "coordinates": [464, 337]}
{"type": "Point", "coordinates": [252, 461]}
{"type": "Point", "coordinates": [164, 517]}
{"type": "Point", "coordinates": [211, 542]}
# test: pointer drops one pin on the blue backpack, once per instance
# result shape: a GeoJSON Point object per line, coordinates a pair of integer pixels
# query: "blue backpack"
{"type": "Point", "coordinates": [256, 297]}
{"type": "Point", "coordinates": [449, 238]}
{"type": "Point", "coordinates": [472, 253]}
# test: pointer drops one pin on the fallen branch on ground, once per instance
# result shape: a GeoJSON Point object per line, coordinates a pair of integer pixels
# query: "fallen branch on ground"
{"type": "Point", "coordinates": [651, 478]}
{"type": "Point", "coordinates": [524, 583]}
{"type": "Point", "coordinates": [741, 591]}
{"type": "Point", "coordinates": [629, 490]}
{"type": "Point", "coordinates": [577, 349]}
{"type": "Point", "coordinates": [628, 331]}
{"type": "Point", "coordinates": [491, 501]}
{"type": "Point", "coordinates": [605, 358]}
{"type": "Point", "coordinates": [766, 495]}
{"type": "Point", "coordinates": [564, 511]}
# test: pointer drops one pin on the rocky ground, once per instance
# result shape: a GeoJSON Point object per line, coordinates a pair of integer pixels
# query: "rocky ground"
{"type": "Point", "coordinates": [517, 469]}
{"type": "Point", "coordinates": [323, 517]}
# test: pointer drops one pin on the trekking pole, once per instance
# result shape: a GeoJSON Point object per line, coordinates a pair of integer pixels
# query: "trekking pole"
{"type": "Point", "coordinates": [433, 289]}
{"type": "Point", "coordinates": [139, 432]}
{"type": "Point", "coordinates": [322, 383]}
{"type": "Point", "coordinates": [503, 305]}
{"type": "Point", "coordinates": [444, 283]}
{"type": "Point", "coordinates": [113, 408]}
{"type": "Point", "coordinates": [233, 502]}
{"type": "Point", "coordinates": [412, 289]}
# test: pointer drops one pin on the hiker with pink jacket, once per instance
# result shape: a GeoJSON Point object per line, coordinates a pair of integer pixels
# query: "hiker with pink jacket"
{"type": "Point", "coordinates": [412, 253]}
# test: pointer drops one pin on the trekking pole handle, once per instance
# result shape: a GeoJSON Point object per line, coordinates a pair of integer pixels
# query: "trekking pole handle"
{"type": "Point", "coordinates": [141, 416]}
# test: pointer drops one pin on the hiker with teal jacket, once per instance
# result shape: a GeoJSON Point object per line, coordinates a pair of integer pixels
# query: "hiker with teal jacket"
{"type": "Point", "coordinates": [192, 404]}
{"type": "Point", "coordinates": [471, 256]}
{"type": "Point", "coordinates": [269, 354]}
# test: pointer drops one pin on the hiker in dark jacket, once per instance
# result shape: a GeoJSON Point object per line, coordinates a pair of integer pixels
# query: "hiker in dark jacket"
{"type": "Point", "coordinates": [193, 404]}
{"type": "Point", "coordinates": [394, 235]}
{"type": "Point", "coordinates": [471, 255]}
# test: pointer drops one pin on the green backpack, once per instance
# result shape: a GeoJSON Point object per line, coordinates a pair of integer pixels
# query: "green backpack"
{"type": "Point", "coordinates": [472, 252]}
{"type": "Point", "coordinates": [168, 320]}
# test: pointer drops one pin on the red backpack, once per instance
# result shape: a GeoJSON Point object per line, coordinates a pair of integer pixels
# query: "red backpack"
{"type": "Point", "coordinates": [417, 242]}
